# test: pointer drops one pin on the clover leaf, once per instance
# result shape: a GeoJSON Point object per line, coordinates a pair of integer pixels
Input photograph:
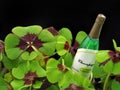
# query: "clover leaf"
{"type": "Point", "coordinates": [3, 84]}
{"type": "Point", "coordinates": [98, 71]}
{"type": "Point", "coordinates": [9, 64]}
{"type": "Point", "coordinates": [68, 59]}
{"type": "Point", "coordinates": [67, 34]}
{"type": "Point", "coordinates": [66, 80]}
{"type": "Point", "coordinates": [49, 37]}
{"type": "Point", "coordinates": [115, 85]}
{"type": "Point", "coordinates": [37, 84]}
{"type": "Point", "coordinates": [18, 84]}
{"type": "Point", "coordinates": [24, 39]}
{"type": "Point", "coordinates": [26, 74]}
{"type": "Point", "coordinates": [115, 69]}
{"type": "Point", "coordinates": [55, 69]}
{"type": "Point", "coordinates": [53, 87]}
{"type": "Point", "coordinates": [110, 60]}
{"type": "Point", "coordinates": [81, 35]}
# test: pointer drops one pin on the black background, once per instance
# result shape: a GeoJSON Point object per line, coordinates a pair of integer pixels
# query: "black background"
{"type": "Point", "coordinates": [74, 14]}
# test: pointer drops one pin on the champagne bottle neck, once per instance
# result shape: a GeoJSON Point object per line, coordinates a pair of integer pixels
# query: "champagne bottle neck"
{"type": "Point", "coordinates": [97, 26]}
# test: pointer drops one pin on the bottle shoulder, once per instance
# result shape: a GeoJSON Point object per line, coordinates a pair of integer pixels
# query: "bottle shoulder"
{"type": "Point", "coordinates": [90, 43]}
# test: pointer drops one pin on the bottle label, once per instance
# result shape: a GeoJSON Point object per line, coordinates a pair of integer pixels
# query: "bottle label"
{"type": "Point", "coordinates": [84, 60]}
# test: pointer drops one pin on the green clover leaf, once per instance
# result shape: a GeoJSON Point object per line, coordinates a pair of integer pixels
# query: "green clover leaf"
{"type": "Point", "coordinates": [68, 59]}
{"type": "Point", "coordinates": [98, 71]}
{"type": "Point", "coordinates": [102, 55]}
{"type": "Point", "coordinates": [54, 69]}
{"type": "Point", "coordinates": [8, 77]}
{"type": "Point", "coordinates": [115, 69]}
{"type": "Point", "coordinates": [108, 67]}
{"type": "Point", "coordinates": [18, 84]}
{"type": "Point", "coordinates": [9, 64]}
{"type": "Point", "coordinates": [3, 84]}
{"type": "Point", "coordinates": [22, 31]}
{"type": "Point", "coordinates": [81, 35]}
{"type": "Point", "coordinates": [37, 84]}
{"type": "Point", "coordinates": [53, 87]}
{"type": "Point", "coordinates": [10, 46]}
{"type": "Point", "coordinates": [66, 80]}
{"type": "Point", "coordinates": [61, 45]}
{"type": "Point", "coordinates": [115, 85]}
{"type": "Point", "coordinates": [67, 34]}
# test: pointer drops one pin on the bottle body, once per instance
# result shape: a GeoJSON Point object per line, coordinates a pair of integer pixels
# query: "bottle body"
{"type": "Point", "coordinates": [86, 56]}
{"type": "Point", "coordinates": [84, 61]}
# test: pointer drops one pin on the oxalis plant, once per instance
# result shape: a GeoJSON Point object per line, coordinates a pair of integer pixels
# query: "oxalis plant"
{"type": "Point", "coordinates": [36, 58]}
{"type": "Point", "coordinates": [107, 69]}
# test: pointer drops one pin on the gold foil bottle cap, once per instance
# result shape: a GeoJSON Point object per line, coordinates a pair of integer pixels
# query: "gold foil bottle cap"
{"type": "Point", "coordinates": [96, 29]}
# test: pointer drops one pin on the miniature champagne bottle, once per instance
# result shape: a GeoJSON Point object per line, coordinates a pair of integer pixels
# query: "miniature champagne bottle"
{"type": "Point", "coordinates": [86, 54]}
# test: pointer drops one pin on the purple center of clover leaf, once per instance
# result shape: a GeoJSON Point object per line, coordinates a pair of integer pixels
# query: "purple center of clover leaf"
{"type": "Point", "coordinates": [114, 56]}
{"type": "Point", "coordinates": [53, 31]}
{"type": "Point", "coordinates": [66, 46]}
{"type": "Point", "coordinates": [29, 78]}
{"type": "Point", "coordinates": [1, 46]}
{"type": "Point", "coordinates": [28, 41]}
{"type": "Point", "coordinates": [62, 68]}
{"type": "Point", "coordinates": [71, 49]}
{"type": "Point", "coordinates": [118, 78]}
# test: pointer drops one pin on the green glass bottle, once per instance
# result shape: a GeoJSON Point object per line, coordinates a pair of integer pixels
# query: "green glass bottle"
{"type": "Point", "coordinates": [86, 54]}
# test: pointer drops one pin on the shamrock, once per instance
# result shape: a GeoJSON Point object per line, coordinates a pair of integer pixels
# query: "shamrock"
{"type": "Point", "coordinates": [110, 60]}
{"type": "Point", "coordinates": [30, 42]}
{"type": "Point", "coordinates": [55, 69]}
{"type": "Point", "coordinates": [27, 75]}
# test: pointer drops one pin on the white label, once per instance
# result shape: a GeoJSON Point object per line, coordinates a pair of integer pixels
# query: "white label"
{"type": "Point", "coordinates": [84, 60]}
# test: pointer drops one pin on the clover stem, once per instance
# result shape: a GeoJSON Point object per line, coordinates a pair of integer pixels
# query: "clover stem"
{"type": "Point", "coordinates": [30, 88]}
{"type": "Point", "coordinates": [91, 76]}
{"type": "Point", "coordinates": [35, 49]}
{"type": "Point", "coordinates": [63, 63]}
{"type": "Point", "coordinates": [106, 82]}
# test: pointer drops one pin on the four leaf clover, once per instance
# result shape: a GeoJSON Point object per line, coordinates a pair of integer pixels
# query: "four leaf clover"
{"type": "Point", "coordinates": [26, 75]}
{"type": "Point", "coordinates": [29, 42]}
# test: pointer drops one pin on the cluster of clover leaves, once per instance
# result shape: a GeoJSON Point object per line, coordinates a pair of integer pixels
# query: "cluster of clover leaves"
{"type": "Point", "coordinates": [36, 58]}
{"type": "Point", "coordinates": [107, 69]}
